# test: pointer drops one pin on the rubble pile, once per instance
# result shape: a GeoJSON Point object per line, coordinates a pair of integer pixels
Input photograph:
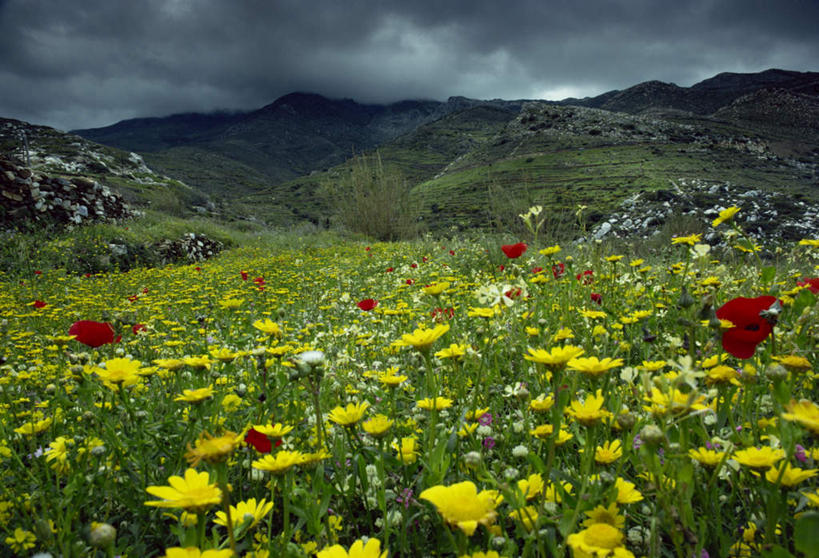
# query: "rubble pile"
{"type": "Point", "coordinates": [763, 215]}
{"type": "Point", "coordinates": [191, 247]}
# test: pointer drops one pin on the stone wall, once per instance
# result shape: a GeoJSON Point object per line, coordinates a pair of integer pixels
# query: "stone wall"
{"type": "Point", "coordinates": [30, 198]}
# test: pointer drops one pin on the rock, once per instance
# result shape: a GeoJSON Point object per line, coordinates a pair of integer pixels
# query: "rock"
{"type": "Point", "coordinates": [604, 229]}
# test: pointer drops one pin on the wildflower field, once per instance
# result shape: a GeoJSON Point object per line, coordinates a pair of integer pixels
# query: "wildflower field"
{"type": "Point", "coordinates": [416, 399]}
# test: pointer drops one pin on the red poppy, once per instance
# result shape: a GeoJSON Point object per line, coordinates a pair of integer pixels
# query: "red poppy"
{"type": "Point", "coordinates": [87, 275]}
{"type": "Point", "coordinates": [597, 297]}
{"type": "Point", "coordinates": [413, 265]}
{"type": "Point", "coordinates": [751, 327]}
{"type": "Point", "coordinates": [39, 304]}
{"type": "Point", "coordinates": [442, 314]}
{"type": "Point", "coordinates": [197, 268]}
{"type": "Point", "coordinates": [259, 441]}
{"type": "Point", "coordinates": [512, 293]}
{"type": "Point", "coordinates": [133, 298]}
{"type": "Point", "coordinates": [38, 272]}
{"type": "Point", "coordinates": [93, 334]}
{"type": "Point", "coordinates": [259, 281]}
{"type": "Point", "coordinates": [244, 275]}
{"type": "Point", "coordinates": [136, 328]}
{"type": "Point", "coordinates": [586, 277]}
{"type": "Point", "coordinates": [558, 269]}
{"type": "Point", "coordinates": [501, 267]}
{"type": "Point", "coordinates": [389, 270]}
{"type": "Point", "coordinates": [812, 284]}
{"type": "Point", "coordinates": [425, 259]}
{"type": "Point", "coordinates": [409, 281]}
{"type": "Point", "coordinates": [145, 290]}
{"type": "Point", "coordinates": [537, 269]}
{"type": "Point", "coordinates": [513, 251]}
{"type": "Point", "coordinates": [367, 304]}
{"type": "Point", "coordinates": [452, 252]}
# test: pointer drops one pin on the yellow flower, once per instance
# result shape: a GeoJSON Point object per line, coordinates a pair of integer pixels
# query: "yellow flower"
{"type": "Point", "coordinates": [809, 242]}
{"type": "Point", "coordinates": [725, 215]}
{"type": "Point", "coordinates": [279, 463]}
{"type": "Point", "coordinates": [435, 404]}
{"type": "Point", "coordinates": [454, 351]}
{"type": "Point", "coordinates": [436, 288]}
{"type": "Point", "coordinates": [527, 516]}
{"type": "Point", "coordinates": [610, 515]}
{"type": "Point", "coordinates": [556, 357]}
{"type": "Point", "coordinates": [653, 365]}
{"type": "Point", "coordinates": [212, 449]}
{"type": "Point", "coordinates": [550, 251]}
{"type": "Point", "coordinates": [590, 411]}
{"type": "Point", "coordinates": [532, 486]}
{"type": "Point", "coordinates": [119, 372]}
{"type": "Point", "coordinates": [195, 395]}
{"type": "Point", "coordinates": [350, 415]}
{"type": "Point", "coordinates": [34, 427]}
{"type": "Point", "coordinates": [377, 426]}
{"type": "Point", "coordinates": [759, 458]}
{"type": "Point", "coordinates": [592, 314]}
{"type": "Point", "coordinates": [597, 541]}
{"type": "Point", "coordinates": [627, 493]}
{"type": "Point", "coordinates": [813, 498]}
{"type": "Point", "coordinates": [268, 327]}
{"type": "Point", "coordinates": [407, 451]}
{"type": "Point", "coordinates": [391, 379]}
{"type": "Point", "coordinates": [244, 511]}
{"type": "Point", "coordinates": [690, 240]}
{"type": "Point", "coordinates": [592, 366]}
{"type": "Point", "coordinates": [805, 413]}
{"type": "Point", "coordinates": [231, 402]}
{"type": "Point", "coordinates": [612, 259]}
{"type": "Point", "coordinates": [422, 339]}
{"type": "Point", "coordinates": [483, 312]}
{"type": "Point", "coordinates": [722, 374]}
{"type": "Point", "coordinates": [197, 362]}
{"type": "Point", "coordinates": [706, 457]}
{"type": "Point", "coordinates": [554, 494]}
{"type": "Point", "coordinates": [358, 550]}
{"type": "Point", "coordinates": [794, 363]}
{"type": "Point", "coordinates": [231, 303]}
{"type": "Point", "coordinates": [608, 453]}
{"type": "Point", "coordinates": [194, 552]}
{"type": "Point", "coordinates": [462, 506]}
{"type": "Point", "coordinates": [58, 453]}
{"type": "Point", "coordinates": [223, 354]}
{"type": "Point", "coordinates": [277, 430]}
{"type": "Point", "coordinates": [562, 334]}
{"type": "Point", "coordinates": [193, 493]}
{"type": "Point", "coordinates": [677, 403]}
{"type": "Point", "coordinates": [790, 476]}
{"type": "Point", "coordinates": [542, 403]}
{"type": "Point", "coordinates": [21, 540]}
{"type": "Point", "coordinates": [170, 363]}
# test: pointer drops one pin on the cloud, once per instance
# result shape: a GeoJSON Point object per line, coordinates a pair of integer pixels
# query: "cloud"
{"type": "Point", "coordinates": [71, 64]}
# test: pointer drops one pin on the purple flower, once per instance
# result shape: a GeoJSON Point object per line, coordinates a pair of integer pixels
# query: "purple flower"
{"type": "Point", "coordinates": [799, 454]}
{"type": "Point", "coordinates": [489, 442]}
{"type": "Point", "coordinates": [485, 419]}
{"type": "Point", "coordinates": [405, 498]}
{"type": "Point", "coordinates": [637, 442]}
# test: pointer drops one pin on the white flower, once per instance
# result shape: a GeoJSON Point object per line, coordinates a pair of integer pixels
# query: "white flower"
{"type": "Point", "coordinates": [520, 451]}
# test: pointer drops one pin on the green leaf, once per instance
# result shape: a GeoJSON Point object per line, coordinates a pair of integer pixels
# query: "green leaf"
{"type": "Point", "coordinates": [803, 299]}
{"type": "Point", "coordinates": [768, 274]}
{"type": "Point", "coordinates": [777, 552]}
{"type": "Point", "coordinates": [805, 532]}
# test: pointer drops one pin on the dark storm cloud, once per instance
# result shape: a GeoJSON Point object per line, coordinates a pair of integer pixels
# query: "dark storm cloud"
{"type": "Point", "coordinates": [92, 62]}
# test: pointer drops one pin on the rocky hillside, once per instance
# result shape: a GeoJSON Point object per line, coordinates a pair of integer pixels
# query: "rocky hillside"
{"type": "Point", "coordinates": [52, 153]}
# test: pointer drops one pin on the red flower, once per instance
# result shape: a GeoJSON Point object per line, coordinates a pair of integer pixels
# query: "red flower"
{"type": "Point", "coordinates": [259, 281]}
{"type": "Point", "coordinates": [389, 270]}
{"type": "Point", "coordinates": [367, 304]}
{"type": "Point", "coordinates": [812, 284]}
{"type": "Point", "coordinates": [132, 298]}
{"type": "Point", "coordinates": [750, 326]}
{"type": "Point", "coordinates": [38, 272]}
{"type": "Point", "coordinates": [244, 275]}
{"type": "Point", "coordinates": [513, 251]}
{"type": "Point", "coordinates": [586, 277]}
{"type": "Point", "coordinates": [409, 281]}
{"type": "Point", "coordinates": [558, 269]}
{"type": "Point", "coordinates": [259, 441]}
{"type": "Point", "coordinates": [537, 269]}
{"type": "Point", "coordinates": [512, 293]}
{"type": "Point", "coordinates": [597, 297]}
{"type": "Point", "coordinates": [442, 314]}
{"type": "Point", "coordinates": [414, 265]}
{"type": "Point", "coordinates": [93, 334]}
{"type": "Point", "coordinates": [424, 259]}
{"type": "Point", "coordinates": [136, 328]}
{"type": "Point", "coordinates": [197, 268]}
{"type": "Point", "coordinates": [452, 252]}
{"type": "Point", "coordinates": [501, 267]}
{"type": "Point", "coordinates": [39, 304]}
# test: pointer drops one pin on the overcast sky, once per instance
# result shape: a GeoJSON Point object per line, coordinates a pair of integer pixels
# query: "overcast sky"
{"type": "Point", "coordinates": [84, 63]}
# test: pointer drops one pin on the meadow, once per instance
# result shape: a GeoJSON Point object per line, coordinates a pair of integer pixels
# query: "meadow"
{"type": "Point", "coordinates": [424, 398]}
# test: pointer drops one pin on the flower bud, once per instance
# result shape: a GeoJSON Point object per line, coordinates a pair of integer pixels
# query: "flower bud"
{"type": "Point", "coordinates": [102, 535]}
{"type": "Point", "coordinates": [473, 458]}
{"type": "Point", "coordinates": [651, 435]}
{"type": "Point", "coordinates": [776, 371]}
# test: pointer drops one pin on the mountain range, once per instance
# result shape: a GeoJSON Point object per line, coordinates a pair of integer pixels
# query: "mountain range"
{"type": "Point", "coordinates": [464, 158]}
